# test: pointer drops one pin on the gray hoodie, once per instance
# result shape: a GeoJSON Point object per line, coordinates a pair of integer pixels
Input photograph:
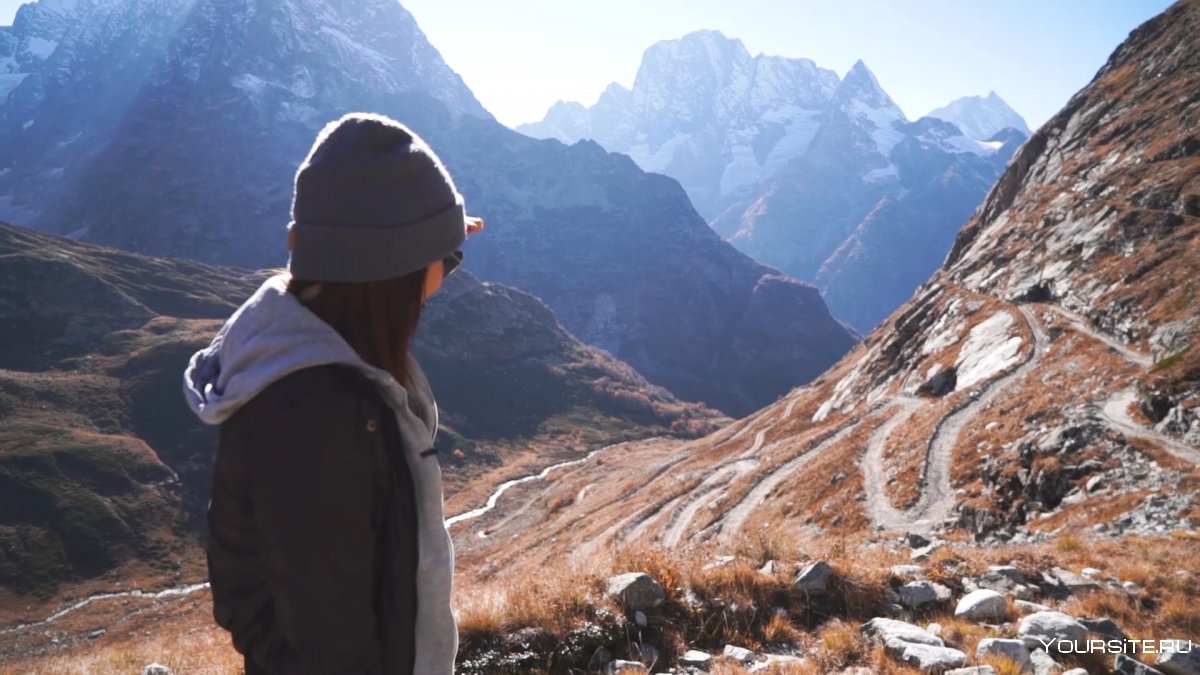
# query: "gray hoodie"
{"type": "Point", "coordinates": [271, 335]}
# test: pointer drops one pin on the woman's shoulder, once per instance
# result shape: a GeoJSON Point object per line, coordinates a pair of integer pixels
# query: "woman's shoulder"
{"type": "Point", "coordinates": [327, 391]}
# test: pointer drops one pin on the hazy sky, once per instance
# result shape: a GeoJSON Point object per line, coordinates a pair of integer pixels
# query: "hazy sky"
{"type": "Point", "coordinates": [520, 56]}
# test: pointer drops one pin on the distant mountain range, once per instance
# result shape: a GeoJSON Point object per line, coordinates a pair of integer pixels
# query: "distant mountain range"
{"type": "Point", "coordinates": [174, 128]}
{"type": "Point", "coordinates": [822, 177]}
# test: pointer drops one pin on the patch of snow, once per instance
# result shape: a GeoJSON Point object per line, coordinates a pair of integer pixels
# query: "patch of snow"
{"type": "Point", "coordinates": [251, 84]}
{"type": "Point", "coordinates": [881, 175]}
{"type": "Point", "coordinates": [299, 112]}
{"type": "Point", "coordinates": [40, 47]}
{"type": "Point", "coordinates": [742, 169]}
{"type": "Point", "coordinates": [989, 350]}
{"type": "Point", "coordinates": [802, 126]}
{"type": "Point", "coordinates": [883, 122]}
{"type": "Point", "coordinates": [380, 63]}
{"type": "Point", "coordinates": [657, 159]}
{"type": "Point", "coordinates": [62, 144]}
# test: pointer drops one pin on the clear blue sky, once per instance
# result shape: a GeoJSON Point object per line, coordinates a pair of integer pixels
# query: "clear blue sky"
{"type": "Point", "coordinates": [520, 56]}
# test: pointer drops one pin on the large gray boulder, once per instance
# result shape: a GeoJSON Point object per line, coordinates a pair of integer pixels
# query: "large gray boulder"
{"type": "Point", "coordinates": [931, 658]}
{"type": "Point", "coordinates": [888, 630]}
{"type": "Point", "coordinates": [1049, 630]}
{"type": "Point", "coordinates": [982, 605]}
{"type": "Point", "coordinates": [1043, 663]}
{"type": "Point", "coordinates": [1179, 657]}
{"type": "Point", "coordinates": [1125, 665]}
{"type": "Point", "coordinates": [1013, 650]}
{"type": "Point", "coordinates": [694, 658]}
{"type": "Point", "coordinates": [917, 594]}
{"type": "Point", "coordinates": [814, 578]}
{"type": "Point", "coordinates": [636, 591]}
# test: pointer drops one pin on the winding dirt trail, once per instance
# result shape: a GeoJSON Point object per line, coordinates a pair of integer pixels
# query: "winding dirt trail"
{"type": "Point", "coordinates": [716, 484]}
{"type": "Point", "coordinates": [1114, 411]}
{"type": "Point", "coordinates": [737, 514]}
{"type": "Point", "coordinates": [1078, 323]}
{"type": "Point", "coordinates": [937, 497]}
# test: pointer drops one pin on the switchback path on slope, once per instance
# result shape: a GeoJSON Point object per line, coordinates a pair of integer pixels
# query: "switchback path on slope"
{"type": "Point", "coordinates": [733, 520]}
{"type": "Point", "coordinates": [716, 483]}
{"type": "Point", "coordinates": [937, 496]}
{"type": "Point", "coordinates": [1114, 411]}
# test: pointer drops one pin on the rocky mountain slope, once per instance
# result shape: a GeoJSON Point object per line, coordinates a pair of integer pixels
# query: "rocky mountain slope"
{"type": "Point", "coordinates": [981, 117]}
{"type": "Point", "coordinates": [240, 91]}
{"type": "Point", "coordinates": [102, 465]}
{"type": "Point", "coordinates": [1027, 420]}
{"type": "Point", "coordinates": [823, 178]}
{"type": "Point", "coordinates": [1043, 382]}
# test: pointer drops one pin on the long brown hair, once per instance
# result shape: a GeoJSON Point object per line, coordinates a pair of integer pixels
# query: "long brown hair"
{"type": "Point", "coordinates": [377, 318]}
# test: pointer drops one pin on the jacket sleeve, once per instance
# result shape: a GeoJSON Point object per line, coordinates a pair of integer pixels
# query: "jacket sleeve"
{"type": "Point", "coordinates": [310, 475]}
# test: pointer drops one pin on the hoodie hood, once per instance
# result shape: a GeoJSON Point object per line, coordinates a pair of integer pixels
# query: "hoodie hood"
{"type": "Point", "coordinates": [272, 335]}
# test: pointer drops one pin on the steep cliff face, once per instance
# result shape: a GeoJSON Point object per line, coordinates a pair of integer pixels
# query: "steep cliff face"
{"type": "Point", "coordinates": [1043, 381]}
{"type": "Point", "coordinates": [102, 464]}
{"type": "Point", "coordinates": [192, 153]}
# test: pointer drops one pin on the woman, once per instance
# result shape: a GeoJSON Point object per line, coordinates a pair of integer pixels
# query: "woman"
{"type": "Point", "coordinates": [327, 548]}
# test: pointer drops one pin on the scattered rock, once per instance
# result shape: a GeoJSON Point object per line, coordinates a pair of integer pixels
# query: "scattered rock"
{"type": "Point", "coordinates": [739, 654]}
{"type": "Point", "coordinates": [924, 552]}
{"type": "Point", "coordinates": [908, 571]}
{"type": "Point", "coordinates": [694, 658]}
{"type": "Point", "coordinates": [1106, 627]}
{"type": "Point", "coordinates": [1013, 650]}
{"type": "Point", "coordinates": [1179, 657]}
{"type": "Point", "coordinates": [156, 669]}
{"type": "Point", "coordinates": [934, 629]}
{"type": "Point", "coordinates": [1076, 671]}
{"type": "Point", "coordinates": [929, 657]}
{"type": "Point", "coordinates": [973, 670]}
{"type": "Point", "coordinates": [915, 540]}
{"type": "Point", "coordinates": [916, 594]}
{"type": "Point", "coordinates": [982, 605]}
{"type": "Point", "coordinates": [625, 668]}
{"type": "Point", "coordinates": [887, 630]}
{"type": "Point", "coordinates": [1027, 607]}
{"type": "Point", "coordinates": [1072, 582]}
{"type": "Point", "coordinates": [99, 632]}
{"type": "Point", "coordinates": [814, 578]}
{"type": "Point", "coordinates": [770, 568]}
{"type": "Point", "coordinates": [637, 591]}
{"type": "Point", "coordinates": [1045, 630]}
{"type": "Point", "coordinates": [1043, 664]}
{"type": "Point", "coordinates": [639, 617]}
{"type": "Point", "coordinates": [1124, 665]}
{"type": "Point", "coordinates": [720, 561]}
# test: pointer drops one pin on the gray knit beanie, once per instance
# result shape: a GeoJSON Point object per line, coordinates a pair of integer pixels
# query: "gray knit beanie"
{"type": "Point", "coordinates": [372, 202]}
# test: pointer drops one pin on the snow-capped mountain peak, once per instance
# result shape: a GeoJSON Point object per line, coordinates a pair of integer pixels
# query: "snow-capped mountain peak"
{"type": "Point", "coordinates": [981, 117]}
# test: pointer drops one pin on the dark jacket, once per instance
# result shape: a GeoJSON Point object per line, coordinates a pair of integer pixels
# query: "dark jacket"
{"type": "Point", "coordinates": [312, 549]}
{"type": "Point", "coordinates": [312, 566]}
